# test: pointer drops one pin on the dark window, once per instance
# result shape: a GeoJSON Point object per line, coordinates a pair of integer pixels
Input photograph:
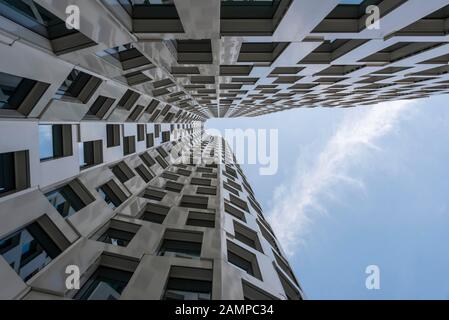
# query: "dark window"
{"type": "Point", "coordinates": [291, 292]}
{"type": "Point", "coordinates": [100, 108]}
{"type": "Point", "coordinates": [29, 250]}
{"type": "Point", "coordinates": [7, 173]}
{"type": "Point", "coordinates": [112, 194]}
{"type": "Point", "coordinates": [157, 130]}
{"type": "Point", "coordinates": [200, 182]}
{"type": "Point", "coordinates": [207, 191]}
{"type": "Point", "coordinates": [200, 219]}
{"type": "Point", "coordinates": [188, 284]}
{"type": "Point", "coordinates": [105, 284]}
{"type": "Point", "coordinates": [150, 140]}
{"type": "Point", "coordinates": [246, 236]}
{"type": "Point", "coordinates": [122, 172]}
{"type": "Point", "coordinates": [18, 93]}
{"type": "Point", "coordinates": [128, 100]}
{"type": "Point", "coordinates": [129, 145]}
{"type": "Point", "coordinates": [243, 259]}
{"type": "Point", "coordinates": [194, 202]}
{"type": "Point", "coordinates": [239, 202]}
{"type": "Point", "coordinates": [173, 186]}
{"type": "Point", "coordinates": [113, 135]}
{"type": "Point", "coordinates": [70, 198]}
{"type": "Point", "coordinates": [116, 237]}
{"type": "Point", "coordinates": [144, 173]}
{"type": "Point", "coordinates": [155, 213]}
{"type": "Point", "coordinates": [37, 19]}
{"type": "Point", "coordinates": [235, 212]}
{"type": "Point", "coordinates": [162, 152]}
{"type": "Point", "coordinates": [55, 141]}
{"type": "Point", "coordinates": [165, 136]}
{"type": "Point", "coordinates": [251, 292]}
{"type": "Point", "coordinates": [152, 194]}
{"type": "Point", "coordinates": [161, 162]}
{"type": "Point", "coordinates": [181, 244]}
{"type": "Point", "coordinates": [170, 176]}
{"type": "Point", "coordinates": [78, 86]}
{"type": "Point", "coordinates": [184, 172]}
{"type": "Point", "coordinates": [147, 159]}
{"type": "Point", "coordinates": [91, 153]}
{"type": "Point", "coordinates": [141, 132]}
{"type": "Point", "coordinates": [125, 56]}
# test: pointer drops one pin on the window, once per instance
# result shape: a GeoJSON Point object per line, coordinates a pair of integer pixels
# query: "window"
{"type": "Point", "coordinates": [157, 130]}
{"type": "Point", "coordinates": [188, 284]}
{"type": "Point", "coordinates": [150, 140]}
{"type": "Point", "coordinates": [128, 100]}
{"type": "Point", "coordinates": [207, 191]}
{"type": "Point", "coordinates": [122, 172]}
{"type": "Point", "coordinates": [136, 113]}
{"type": "Point", "coordinates": [106, 283]}
{"type": "Point", "coordinates": [184, 172]}
{"type": "Point", "coordinates": [125, 56]}
{"type": "Point", "coordinates": [241, 18]}
{"type": "Point", "coordinates": [14, 172]}
{"type": "Point", "coordinates": [181, 244]}
{"type": "Point", "coordinates": [147, 159]}
{"type": "Point", "coordinates": [141, 132]}
{"type": "Point", "coordinates": [144, 173]}
{"type": "Point", "coordinates": [37, 19]}
{"type": "Point", "coordinates": [155, 213]}
{"type": "Point", "coordinates": [290, 291]}
{"type": "Point", "coordinates": [165, 136]}
{"type": "Point", "coordinates": [111, 193]}
{"type": "Point", "coordinates": [173, 186]}
{"type": "Point", "coordinates": [55, 141]}
{"type": "Point", "coordinates": [152, 194]}
{"type": "Point", "coordinates": [239, 202]}
{"type": "Point", "coordinates": [284, 266]}
{"type": "Point", "coordinates": [200, 182]}
{"type": "Point", "coordinates": [19, 94]}
{"type": "Point", "coordinates": [234, 212]}
{"type": "Point", "coordinates": [209, 175]}
{"type": "Point", "coordinates": [267, 235]}
{"type": "Point", "coordinates": [247, 236]}
{"type": "Point", "coordinates": [251, 292]}
{"type": "Point", "coordinates": [113, 135]}
{"type": "Point", "coordinates": [78, 87]}
{"type": "Point", "coordinates": [118, 233]}
{"type": "Point", "coordinates": [129, 145]}
{"type": "Point", "coordinates": [194, 202]}
{"type": "Point", "coordinates": [201, 219]}
{"type": "Point", "coordinates": [230, 189]}
{"type": "Point", "coordinates": [70, 198]}
{"type": "Point", "coordinates": [100, 108]}
{"type": "Point", "coordinates": [243, 259]}
{"type": "Point", "coordinates": [90, 153]}
{"type": "Point", "coordinates": [161, 162]}
{"type": "Point", "coordinates": [235, 185]}
{"type": "Point", "coordinates": [31, 248]}
{"type": "Point", "coordinates": [205, 170]}
{"type": "Point", "coordinates": [400, 50]}
{"type": "Point", "coordinates": [170, 176]}
{"type": "Point", "coordinates": [162, 152]}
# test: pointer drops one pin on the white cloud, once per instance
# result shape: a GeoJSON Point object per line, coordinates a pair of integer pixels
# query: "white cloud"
{"type": "Point", "coordinates": [297, 202]}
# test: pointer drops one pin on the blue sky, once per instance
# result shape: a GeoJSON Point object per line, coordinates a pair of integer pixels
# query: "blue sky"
{"type": "Point", "coordinates": [361, 186]}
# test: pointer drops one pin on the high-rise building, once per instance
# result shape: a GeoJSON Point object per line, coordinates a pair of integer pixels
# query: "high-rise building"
{"type": "Point", "coordinates": [178, 221]}
{"type": "Point", "coordinates": [94, 96]}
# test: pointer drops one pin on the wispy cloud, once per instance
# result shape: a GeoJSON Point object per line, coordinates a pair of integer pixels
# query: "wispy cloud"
{"type": "Point", "coordinates": [299, 201]}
